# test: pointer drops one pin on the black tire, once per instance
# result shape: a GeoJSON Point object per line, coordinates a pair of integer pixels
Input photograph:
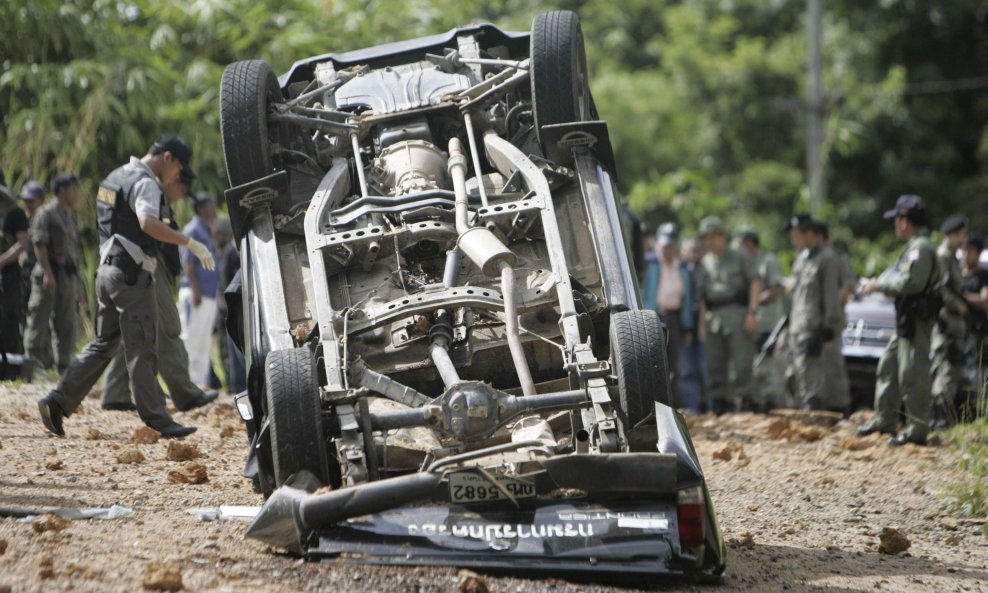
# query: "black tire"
{"type": "Point", "coordinates": [560, 86]}
{"type": "Point", "coordinates": [638, 353]}
{"type": "Point", "coordinates": [294, 415]}
{"type": "Point", "coordinates": [247, 91]}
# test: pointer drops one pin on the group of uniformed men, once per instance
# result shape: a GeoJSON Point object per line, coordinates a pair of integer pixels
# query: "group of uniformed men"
{"type": "Point", "coordinates": [138, 242]}
{"type": "Point", "coordinates": [738, 302]}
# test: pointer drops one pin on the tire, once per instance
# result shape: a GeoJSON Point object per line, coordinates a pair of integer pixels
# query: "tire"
{"type": "Point", "coordinates": [294, 415]}
{"type": "Point", "coordinates": [638, 353]}
{"type": "Point", "coordinates": [560, 90]}
{"type": "Point", "coordinates": [247, 91]}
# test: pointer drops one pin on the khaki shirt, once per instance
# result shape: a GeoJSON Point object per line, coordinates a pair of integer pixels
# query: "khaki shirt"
{"type": "Point", "coordinates": [54, 228]}
{"type": "Point", "coordinates": [951, 289]}
{"type": "Point", "coordinates": [914, 272]}
{"type": "Point", "coordinates": [771, 275]}
{"type": "Point", "coordinates": [815, 302]}
{"type": "Point", "coordinates": [725, 283]}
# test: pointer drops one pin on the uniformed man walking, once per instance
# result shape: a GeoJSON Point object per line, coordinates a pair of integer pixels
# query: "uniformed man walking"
{"type": "Point", "coordinates": [815, 316]}
{"type": "Point", "coordinates": [729, 290]}
{"type": "Point", "coordinates": [837, 383]}
{"type": "Point", "coordinates": [129, 206]}
{"type": "Point", "coordinates": [173, 359]}
{"type": "Point", "coordinates": [949, 331]}
{"type": "Point", "coordinates": [903, 375]}
{"type": "Point", "coordinates": [53, 304]}
{"type": "Point", "coordinates": [769, 389]}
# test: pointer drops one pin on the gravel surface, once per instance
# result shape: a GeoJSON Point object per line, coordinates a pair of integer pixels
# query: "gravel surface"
{"type": "Point", "coordinates": [803, 507]}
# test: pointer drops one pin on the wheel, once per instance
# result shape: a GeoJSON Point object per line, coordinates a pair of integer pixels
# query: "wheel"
{"type": "Point", "coordinates": [294, 415]}
{"type": "Point", "coordinates": [247, 91]}
{"type": "Point", "coordinates": [560, 89]}
{"type": "Point", "coordinates": [638, 353]}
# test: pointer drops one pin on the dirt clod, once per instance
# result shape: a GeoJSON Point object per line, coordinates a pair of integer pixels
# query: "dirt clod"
{"type": "Point", "coordinates": [3, 547]}
{"type": "Point", "coordinates": [94, 435]}
{"type": "Point", "coordinates": [892, 541]}
{"type": "Point", "coordinates": [46, 569]}
{"type": "Point", "coordinates": [49, 522]}
{"type": "Point", "coordinates": [163, 576]}
{"type": "Point", "coordinates": [145, 435]}
{"type": "Point", "coordinates": [471, 582]}
{"type": "Point", "coordinates": [178, 451]}
{"type": "Point", "coordinates": [724, 454]}
{"type": "Point", "coordinates": [189, 473]}
{"type": "Point", "coordinates": [130, 455]}
{"type": "Point", "coordinates": [228, 432]}
{"type": "Point", "coordinates": [54, 464]}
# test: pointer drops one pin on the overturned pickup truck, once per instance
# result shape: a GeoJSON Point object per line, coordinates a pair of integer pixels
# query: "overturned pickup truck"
{"type": "Point", "coordinates": [448, 363]}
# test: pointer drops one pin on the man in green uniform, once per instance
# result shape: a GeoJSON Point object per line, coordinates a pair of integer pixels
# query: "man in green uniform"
{"type": "Point", "coordinates": [949, 332]}
{"type": "Point", "coordinates": [128, 216]}
{"type": "Point", "coordinates": [769, 389]}
{"type": "Point", "coordinates": [729, 290]}
{"type": "Point", "coordinates": [173, 359]}
{"type": "Point", "coordinates": [903, 375]}
{"type": "Point", "coordinates": [54, 281]}
{"type": "Point", "coordinates": [13, 243]}
{"type": "Point", "coordinates": [33, 195]}
{"type": "Point", "coordinates": [816, 315]}
{"type": "Point", "coordinates": [837, 384]}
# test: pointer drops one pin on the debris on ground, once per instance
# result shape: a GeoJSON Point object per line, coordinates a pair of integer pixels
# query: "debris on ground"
{"type": "Point", "coordinates": [130, 455]}
{"type": "Point", "coordinates": [228, 432]}
{"type": "Point", "coordinates": [471, 582]}
{"type": "Point", "coordinates": [163, 576]}
{"type": "Point", "coordinates": [145, 435]}
{"type": "Point", "coordinates": [49, 522]}
{"type": "Point", "coordinates": [226, 512]}
{"type": "Point", "coordinates": [3, 547]}
{"type": "Point", "coordinates": [178, 451]}
{"type": "Point", "coordinates": [93, 434]}
{"type": "Point", "coordinates": [54, 464]}
{"type": "Point", "coordinates": [892, 541]}
{"type": "Point", "coordinates": [189, 473]}
{"type": "Point", "coordinates": [46, 568]}
{"type": "Point", "coordinates": [746, 541]}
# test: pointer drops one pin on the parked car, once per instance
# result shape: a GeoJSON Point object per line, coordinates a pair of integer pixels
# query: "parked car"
{"type": "Point", "coordinates": [869, 328]}
{"type": "Point", "coordinates": [441, 319]}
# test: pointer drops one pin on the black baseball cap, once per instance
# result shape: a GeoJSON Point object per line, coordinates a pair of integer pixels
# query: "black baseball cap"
{"type": "Point", "coordinates": [667, 234]}
{"type": "Point", "coordinates": [179, 149]}
{"type": "Point", "coordinates": [910, 206]}
{"type": "Point", "coordinates": [803, 222]}
{"type": "Point", "coordinates": [953, 224]}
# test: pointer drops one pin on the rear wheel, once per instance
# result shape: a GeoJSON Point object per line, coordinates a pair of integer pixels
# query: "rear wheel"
{"type": "Point", "coordinates": [247, 92]}
{"type": "Point", "coordinates": [638, 353]}
{"type": "Point", "coordinates": [560, 86]}
{"type": "Point", "coordinates": [294, 415]}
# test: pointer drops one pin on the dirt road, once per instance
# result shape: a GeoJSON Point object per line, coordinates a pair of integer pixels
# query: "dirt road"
{"type": "Point", "coordinates": [802, 507]}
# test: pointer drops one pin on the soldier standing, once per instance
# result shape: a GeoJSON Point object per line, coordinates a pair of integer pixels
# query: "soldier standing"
{"type": "Point", "coordinates": [33, 194]}
{"type": "Point", "coordinates": [815, 316]}
{"type": "Point", "coordinates": [837, 384]}
{"type": "Point", "coordinates": [976, 296]}
{"type": "Point", "coordinates": [53, 304]}
{"type": "Point", "coordinates": [128, 213]}
{"type": "Point", "coordinates": [949, 332]}
{"type": "Point", "coordinates": [729, 290]}
{"type": "Point", "coordinates": [13, 242]}
{"type": "Point", "coordinates": [769, 389]}
{"type": "Point", "coordinates": [173, 359]}
{"type": "Point", "coordinates": [903, 375]}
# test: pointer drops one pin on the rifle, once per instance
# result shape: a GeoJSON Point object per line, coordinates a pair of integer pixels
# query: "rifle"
{"type": "Point", "coordinates": [773, 338]}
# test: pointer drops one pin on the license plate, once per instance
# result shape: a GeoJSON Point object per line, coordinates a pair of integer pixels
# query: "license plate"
{"type": "Point", "coordinates": [466, 487]}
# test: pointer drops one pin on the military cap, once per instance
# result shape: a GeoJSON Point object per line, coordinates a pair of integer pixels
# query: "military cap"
{"type": "Point", "coordinates": [668, 234]}
{"type": "Point", "coordinates": [711, 224]}
{"type": "Point", "coordinates": [32, 191]}
{"type": "Point", "coordinates": [749, 234]}
{"type": "Point", "coordinates": [974, 242]}
{"type": "Point", "coordinates": [954, 224]}
{"type": "Point", "coordinates": [179, 149]}
{"type": "Point", "coordinates": [909, 205]}
{"type": "Point", "coordinates": [802, 222]}
{"type": "Point", "coordinates": [821, 228]}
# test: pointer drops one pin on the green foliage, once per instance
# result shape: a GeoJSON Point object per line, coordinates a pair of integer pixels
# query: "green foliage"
{"type": "Point", "coordinates": [971, 440]}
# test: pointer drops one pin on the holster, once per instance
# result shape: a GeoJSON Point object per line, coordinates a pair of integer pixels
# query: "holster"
{"type": "Point", "coordinates": [126, 264]}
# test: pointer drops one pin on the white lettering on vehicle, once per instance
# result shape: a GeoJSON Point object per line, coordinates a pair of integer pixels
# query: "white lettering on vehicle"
{"type": "Point", "coordinates": [504, 531]}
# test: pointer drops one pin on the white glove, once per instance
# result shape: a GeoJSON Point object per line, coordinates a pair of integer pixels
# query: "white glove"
{"type": "Point", "coordinates": [202, 254]}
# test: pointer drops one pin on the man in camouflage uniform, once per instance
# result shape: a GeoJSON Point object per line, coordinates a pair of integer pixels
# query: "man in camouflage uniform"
{"type": "Point", "coordinates": [837, 384]}
{"type": "Point", "coordinates": [54, 281]}
{"type": "Point", "coordinates": [173, 359]}
{"type": "Point", "coordinates": [13, 242]}
{"type": "Point", "coordinates": [949, 332]}
{"type": "Point", "coordinates": [729, 291]}
{"type": "Point", "coordinates": [815, 316]}
{"type": "Point", "coordinates": [33, 195]}
{"type": "Point", "coordinates": [769, 376]}
{"type": "Point", "coordinates": [904, 368]}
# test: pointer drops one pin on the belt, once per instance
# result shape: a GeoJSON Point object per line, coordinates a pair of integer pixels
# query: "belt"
{"type": "Point", "coordinates": [715, 305]}
{"type": "Point", "coordinates": [122, 261]}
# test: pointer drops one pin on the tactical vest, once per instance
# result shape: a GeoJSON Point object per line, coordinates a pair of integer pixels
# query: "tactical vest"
{"type": "Point", "coordinates": [114, 216]}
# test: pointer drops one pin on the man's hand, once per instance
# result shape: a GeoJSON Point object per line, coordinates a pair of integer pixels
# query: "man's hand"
{"type": "Point", "coordinates": [196, 296]}
{"type": "Point", "coordinates": [687, 339]}
{"type": "Point", "coordinates": [751, 323]}
{"type": "Point", "coordinates": [870, 287]}
{"type": "Point", "coordinates": [48, 282]}
{"type": "Point", "coordinates": [202, 254]}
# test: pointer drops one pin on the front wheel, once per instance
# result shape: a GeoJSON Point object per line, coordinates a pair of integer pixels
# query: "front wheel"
{"type": "Point", "coordinates": [638, 353]}
{"type": "Point", "coordinates": [295, 415]}
{"type": "Point", "coordinates": [560, 84]}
